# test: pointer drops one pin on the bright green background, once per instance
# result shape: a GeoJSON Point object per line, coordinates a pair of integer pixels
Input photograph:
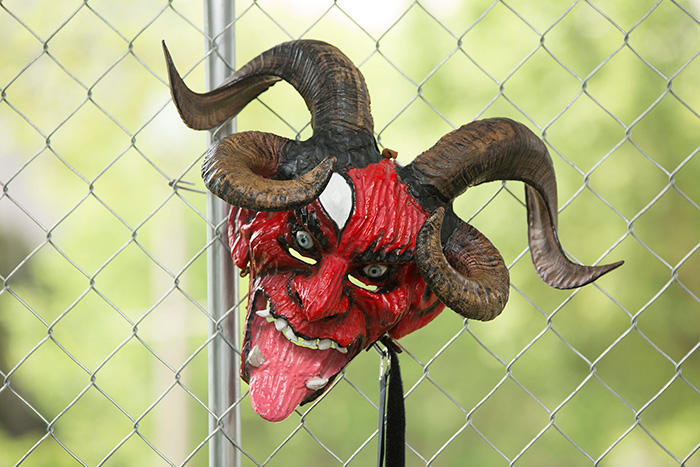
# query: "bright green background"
{"type": "Point", "coordinates": [103, 322]}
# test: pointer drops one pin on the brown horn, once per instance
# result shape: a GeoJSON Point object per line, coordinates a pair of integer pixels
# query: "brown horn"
{"type": "Point", "coordinates": [470, 277]}
{"type": "Point", "coordinates": [550, 262]}
{"type": "Point", "coordinates": [332, 87]}
{"type": "Point", "coordinates": [501, 149]}
{"type": "Point", "coordinates": [236, 169]}
{"type": "Point", "coordinates": [207, 110]}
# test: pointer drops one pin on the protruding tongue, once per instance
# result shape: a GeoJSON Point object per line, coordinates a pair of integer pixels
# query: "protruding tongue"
{"type": "Point", "coordinates": [282, 381]}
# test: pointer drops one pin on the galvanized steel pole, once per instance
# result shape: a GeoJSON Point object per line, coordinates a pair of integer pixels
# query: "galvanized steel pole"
{"type": "Point", "coordinates": [222, 284]}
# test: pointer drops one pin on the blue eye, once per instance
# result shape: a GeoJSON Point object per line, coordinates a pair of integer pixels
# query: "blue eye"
{"type": "Point", "coordinates": [374, 271]}
{"type": "Point", "coordinates": [304, 240]}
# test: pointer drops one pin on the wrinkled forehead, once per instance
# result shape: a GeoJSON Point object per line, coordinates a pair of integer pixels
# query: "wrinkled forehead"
{"type": "Point", "coordinates": [367, 211]}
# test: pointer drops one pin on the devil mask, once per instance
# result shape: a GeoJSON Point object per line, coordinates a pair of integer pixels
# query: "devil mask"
{"type": "Point", "coordinates": [343, 245]}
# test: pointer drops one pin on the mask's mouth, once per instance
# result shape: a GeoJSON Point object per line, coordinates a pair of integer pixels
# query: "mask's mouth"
{"type": "Point", "coordinates": [282, 368]}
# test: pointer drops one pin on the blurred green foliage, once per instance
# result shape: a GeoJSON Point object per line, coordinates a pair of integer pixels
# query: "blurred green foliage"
{"type": "Point", "coordinates": [103, 342]}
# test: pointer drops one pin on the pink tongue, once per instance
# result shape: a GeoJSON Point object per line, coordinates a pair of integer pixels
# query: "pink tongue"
{"type": "Point", "coordinates": [278, 386]}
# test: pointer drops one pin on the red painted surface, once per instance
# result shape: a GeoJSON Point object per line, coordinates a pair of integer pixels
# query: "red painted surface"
{"type": "Point", "coordinates": [319, 301]}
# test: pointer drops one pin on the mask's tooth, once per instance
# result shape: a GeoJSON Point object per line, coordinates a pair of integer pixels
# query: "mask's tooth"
{"type": "Point", "coordinates": [281, 324]}
{"type": "Point", "coordinates": [316, 383]}
{"type": "Point", "coordinates": [289, 334]}
{"type": "Point", "coordinates": [255, 357]}
{"type": "Point", "coordinates": [263, 313]}
{"type": "Point", "coordinates": [324, 344]}
{"type": "Point", "coordinates": [340, 349]}
{"type": "Point", "coordinates": [309, 343]}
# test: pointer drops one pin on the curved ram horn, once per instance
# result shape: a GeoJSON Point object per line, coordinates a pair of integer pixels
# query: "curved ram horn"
{"type": "Point", "coordinates": [470, 277]}
{"type": "Point", "coordinates": [235, 170]}
{"type": "Point", "coordinates": [550, 262]}
{"type": "Point", "coordinates": [332, 87]}
{"type": "Point", "coordinates": [501, 149]}
{"type": "Point", "coordinates": [207, 110]}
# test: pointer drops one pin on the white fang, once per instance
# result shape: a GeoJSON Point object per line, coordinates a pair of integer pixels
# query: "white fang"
{"type": "Point", "coordinates": [255, 357]}
{"type": "Point", "coordinates": [336, 199]}
{"type": "Point", "coordinates": [316, 383]}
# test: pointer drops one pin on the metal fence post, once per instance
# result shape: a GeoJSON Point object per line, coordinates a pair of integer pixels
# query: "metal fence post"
{"type": "Point", "coordinates": [222, 284]}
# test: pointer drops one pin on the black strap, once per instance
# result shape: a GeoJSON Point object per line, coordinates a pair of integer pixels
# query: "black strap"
{"type": "Point", "coordinates": [395, 416]}
{"type": "Point", "coordinates": [392, 437]}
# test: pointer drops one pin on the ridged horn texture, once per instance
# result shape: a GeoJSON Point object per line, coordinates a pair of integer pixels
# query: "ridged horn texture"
{"type": "Point", "coordinates": [332, 87]}
{"type": "Point", "coordinates": [236, 169]}
{"type": "Point", "coordinates": [484, 151]}
{"type": "Point", "coordinates": [470, 277]}
{"type": "Point", "coordinates": [239, 167]}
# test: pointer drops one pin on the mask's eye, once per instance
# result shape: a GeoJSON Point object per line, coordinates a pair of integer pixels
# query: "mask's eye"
{"type": "Point", "coordinates": [371, 276]}
{"type": "Point", "coordinates": [304, 240]}
{"type": "Point", "coordinates": [375, 271]}
{"type": "Point", "coordinates": [303, 247]}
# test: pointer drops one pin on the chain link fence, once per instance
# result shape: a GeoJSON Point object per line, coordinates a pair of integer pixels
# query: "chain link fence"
{"type": "Point", "coordinates": [106, 332]}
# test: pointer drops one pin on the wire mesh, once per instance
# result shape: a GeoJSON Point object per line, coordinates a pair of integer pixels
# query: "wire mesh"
{"type": "Point", "coordinates": [104, 316]}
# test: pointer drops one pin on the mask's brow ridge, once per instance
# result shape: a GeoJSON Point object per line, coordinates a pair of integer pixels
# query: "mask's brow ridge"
{"type": "Point", "coordinates": [311, 222]}
{"type": "Point", "coordinates": [371, 255]}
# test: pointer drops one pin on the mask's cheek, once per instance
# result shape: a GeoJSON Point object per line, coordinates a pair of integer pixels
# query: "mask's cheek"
{"type": "Point", "coordinates": [237, 239]}
{"type": "Point", "coordinates": [381, 311]}
{"type": "Point", "coordinates": [266, 253]}
{"type": "Point", "coordinates": [423, 305]}
{"type": "Point", "coordinates": [250, 232]}
{"type": "Point", "coordinates": [416, 319]}
{"type": "Point", "coordinates": [393, 302]}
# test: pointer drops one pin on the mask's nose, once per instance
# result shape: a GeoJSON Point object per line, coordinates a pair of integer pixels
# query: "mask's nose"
{"type": "Point", "coordinates": [321, 293]}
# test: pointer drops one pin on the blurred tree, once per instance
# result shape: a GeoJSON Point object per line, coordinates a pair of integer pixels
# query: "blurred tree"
{"type": "Point", "coordinates": [89, 142]}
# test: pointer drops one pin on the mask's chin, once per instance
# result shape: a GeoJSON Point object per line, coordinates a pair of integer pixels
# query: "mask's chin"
{"type": "Point", "coordinates": [283, 369]}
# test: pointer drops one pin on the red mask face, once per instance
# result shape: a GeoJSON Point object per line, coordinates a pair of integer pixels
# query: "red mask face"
{"type": "Point", "coordinates": [327, 281]}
